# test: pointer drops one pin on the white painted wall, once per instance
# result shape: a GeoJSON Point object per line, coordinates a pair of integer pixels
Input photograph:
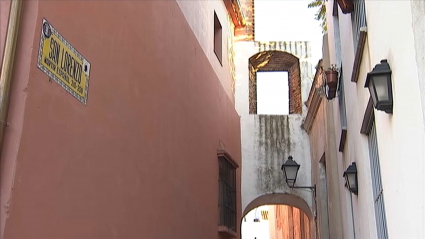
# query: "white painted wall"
{"type": "Point", "coordinates": [418, 18]}
{"type": "Point", "coordinates": [401, 136]}
{"type": "Point", "coordinates": [261, 159]}
{"type": "Point", "coordinates": [200, 16]}
{"type": "Point", "coordinates": [258, 230]}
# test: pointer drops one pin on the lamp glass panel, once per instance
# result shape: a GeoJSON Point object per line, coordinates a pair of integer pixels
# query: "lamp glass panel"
{"type": "Point", "coordinates": [372, 92]}
{"type": "Point", "coordinates": [351, 177]}
{"type": "Point", "coordinates": [381, 87]}
{"type": "Point", "coordinates": [291, 172]}
{"type": "Point", "coordinates": [347, 184]}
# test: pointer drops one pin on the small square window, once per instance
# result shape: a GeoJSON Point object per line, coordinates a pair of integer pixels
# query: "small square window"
{"type": "Point", "coordinates": [218, 50]}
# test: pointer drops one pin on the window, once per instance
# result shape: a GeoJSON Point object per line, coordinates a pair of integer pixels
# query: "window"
{"type": "Point", "coordinates": [272, 93]}
{"type": "Point", "coordinates": [358, 18]}
{"type": "Point", "coordinates": [341, 101]}
{"type": "Point", "coordinates": [218, 50]}
{"type": "Point", "coordinates": [378, 193]}
{"type": "Point", "coordinates": [227, 192]}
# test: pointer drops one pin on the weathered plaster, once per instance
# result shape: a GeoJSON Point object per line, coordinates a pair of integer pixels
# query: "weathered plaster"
{"type": "Point", "coordinates": [267, 140]}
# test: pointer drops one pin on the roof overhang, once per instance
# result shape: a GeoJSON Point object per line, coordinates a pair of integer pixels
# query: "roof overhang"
{"type": "Point", "coordinates": [235, 11]}
{"type": "Point", "coordinates": [346, 6]}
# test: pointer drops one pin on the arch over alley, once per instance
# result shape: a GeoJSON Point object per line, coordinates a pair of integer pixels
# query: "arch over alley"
{"type": "Point", "coordinates": [276, 215]}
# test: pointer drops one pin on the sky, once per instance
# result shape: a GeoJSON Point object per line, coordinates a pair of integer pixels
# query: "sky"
{"type": "Point", "coordinates": [272, 93]}
{"type": "Point", "coordinates": [288, 20]}
{"type": "Point", "coordinates": [251, 229]}
{"type": "Point", "coordinates": [283, 20]}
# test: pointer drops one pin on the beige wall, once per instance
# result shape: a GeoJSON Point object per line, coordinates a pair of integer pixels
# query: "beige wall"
{"type": "Point", "coordinates": [400, 135]}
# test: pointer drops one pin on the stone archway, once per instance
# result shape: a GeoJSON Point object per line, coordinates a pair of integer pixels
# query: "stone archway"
{"type": "Point", "coordinates": [268, 140]}
{"type": "Point", "coordinates": [297, 222]}
{"type": "Point", "coordinates": [280, 199]}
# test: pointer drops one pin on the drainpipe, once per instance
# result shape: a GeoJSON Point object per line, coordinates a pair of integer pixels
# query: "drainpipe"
{"type": "Point", "coordinates": [7, 64]}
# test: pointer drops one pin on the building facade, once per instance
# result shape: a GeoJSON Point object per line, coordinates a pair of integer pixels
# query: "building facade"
{"type": "Point", "coordinates": [387, 148]}
{"type": "Point", "coordinates": [147, 148]}
{"type": "Point", "coordinates": [269, 139]}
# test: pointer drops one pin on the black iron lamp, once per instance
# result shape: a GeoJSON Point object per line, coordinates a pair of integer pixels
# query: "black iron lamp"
{"type": "Point", "coordinates": [290, 169]}
{"type": "Point", "coordinates": [350, 176]}
{"type": "Point", "coordinates": [379, 83]}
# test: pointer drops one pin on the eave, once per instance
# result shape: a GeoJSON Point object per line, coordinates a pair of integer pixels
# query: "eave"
{"type": "Point", "coordinates": [234, 9]}
{"type": "Point", "coordinates": [312, 111]}
{"type": "Point", "coordinates": [346, 6]}
{"type": "Point", "coordinates": [314, 99]}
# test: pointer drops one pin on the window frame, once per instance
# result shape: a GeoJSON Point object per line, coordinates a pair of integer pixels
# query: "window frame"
{"type": "Point", "coordinates": [227, 184]}
{"type": "Point", "coordinates": [342, 112]}
{"type": "Point", "coordinates": [377, 187]}
{"type": "Point", "coordinates": [218, 39]}
{"type": "Point", "coordinates": [358, 20]}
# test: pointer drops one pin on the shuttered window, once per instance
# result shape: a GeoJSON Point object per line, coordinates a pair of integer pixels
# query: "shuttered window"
{"type": "Point", "coordinates": [342, 113]}
{"type": "Point", "coordinates": [378, 193]}
{"type": "Point", "coordinates": [341, 101]}
{"type": "Point", "coordinates": [358, 18]}
{"type": "Point", "coordinates": [227, 194]}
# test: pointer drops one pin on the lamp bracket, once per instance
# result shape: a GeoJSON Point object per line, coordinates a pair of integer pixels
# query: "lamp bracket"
{"type": "Point", "coordinates": [312, 188]}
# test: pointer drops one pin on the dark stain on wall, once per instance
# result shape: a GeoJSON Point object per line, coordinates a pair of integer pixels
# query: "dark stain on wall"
{"type": "Point", "coordinates": [274, 146]}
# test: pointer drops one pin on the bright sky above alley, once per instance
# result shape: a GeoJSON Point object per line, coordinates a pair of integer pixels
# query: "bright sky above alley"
{"type": "Point", "coordinates": [283, 20]}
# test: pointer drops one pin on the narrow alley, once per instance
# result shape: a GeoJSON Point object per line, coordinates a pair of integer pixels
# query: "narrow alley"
{"type": "Point", "coordinates": [212, 119]}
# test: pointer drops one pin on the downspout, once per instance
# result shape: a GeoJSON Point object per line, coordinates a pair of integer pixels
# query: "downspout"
{"type": "Point", "coordinates": [7, 64]}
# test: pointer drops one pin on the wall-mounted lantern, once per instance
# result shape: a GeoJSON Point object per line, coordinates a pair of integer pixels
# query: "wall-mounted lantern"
{"type": "Point", "coordinates": [350, 176]}
{"type": "Point", "coordinates": [379, 83]}
{"type": "Point", "coordinates": [290, 169]}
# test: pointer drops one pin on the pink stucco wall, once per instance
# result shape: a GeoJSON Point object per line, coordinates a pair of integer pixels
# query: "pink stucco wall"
{"type": "Point", "coordinates": [140, 160]}
{"type": "Point", "coordinates": [4, 16]}
{"type": "Point", "coordinates": [18, 99]}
